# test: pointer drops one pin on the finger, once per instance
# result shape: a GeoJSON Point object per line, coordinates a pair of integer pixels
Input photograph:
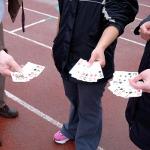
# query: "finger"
{"type": "Point", "coordinates": [140, 85]}
{"type": "Point", "coordinates": [6, 72]}
{"type": "Point", "coordinates": [14, 65]}
{"type": "Point", "coordinates": [92, 59]}
{"type": "Point", "coordinates": [102, 63]}
{"type": "Point", "coordinates": [136, 85]}
{"type": "Point", "coordinates": [137, 78]}
{"type": "Point", "coordinates": [133, 82]}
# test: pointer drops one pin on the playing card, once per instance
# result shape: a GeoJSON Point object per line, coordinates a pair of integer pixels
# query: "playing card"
{"type": "Point", "coordinates": [29, 71]}
{"type": "Point", "coordinates": [124, 76]}
{"type": "Point", "coordinates": [19, 77]}
{"type": "Point", "coordinates": [120, 85]}
{"type": "Point", "coordinates": [80, 65]}
{"type": "Point", "coordinates": [83, 71]}
{"type": "Point", "coordinates": [32, 70]}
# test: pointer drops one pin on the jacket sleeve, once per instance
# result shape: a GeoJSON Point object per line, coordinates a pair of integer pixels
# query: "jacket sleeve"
{"type": "Point", "coordinates": [136, 31]}
{"type": "Point", "coordinates": [119, 13]}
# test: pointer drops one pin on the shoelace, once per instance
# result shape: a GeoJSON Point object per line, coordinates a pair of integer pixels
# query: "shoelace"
{"type": "Point", "coordinates": [60, 133]}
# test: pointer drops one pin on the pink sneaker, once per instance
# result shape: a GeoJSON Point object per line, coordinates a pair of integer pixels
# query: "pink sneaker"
{"type": "Point", "coordinates": [60, 138]}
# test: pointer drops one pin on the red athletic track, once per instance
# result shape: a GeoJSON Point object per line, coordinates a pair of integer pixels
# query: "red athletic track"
{"type": "Point", "coordinates": [31, 132]}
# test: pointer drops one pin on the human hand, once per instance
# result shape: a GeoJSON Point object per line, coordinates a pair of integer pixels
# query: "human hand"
{"type": "Point", "coordinates": [145, 84]}
{"type": "Point", "coordinates": [145, 31]}
{"type": "Point", "coordinates": [7, 64]}
{"type": "Point", "coordinates": [98, 55]}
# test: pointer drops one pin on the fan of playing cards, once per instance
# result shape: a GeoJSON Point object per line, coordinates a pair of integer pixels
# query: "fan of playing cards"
{"type": "Point", "coordinates": [120, 84]}
{"type": "Point", "coordinates": [29, 71]}
{"type": "Point", "coordinates": [83, 71]}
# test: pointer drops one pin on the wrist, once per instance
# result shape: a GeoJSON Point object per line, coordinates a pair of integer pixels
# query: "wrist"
{"type": "Point", "coordinates": [100, 48]}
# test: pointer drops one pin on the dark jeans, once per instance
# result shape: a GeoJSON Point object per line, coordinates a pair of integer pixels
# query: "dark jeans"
{"type": "Point", "coordinates": [85, 120]}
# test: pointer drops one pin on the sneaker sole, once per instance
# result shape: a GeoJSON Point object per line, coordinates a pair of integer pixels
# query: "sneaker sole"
{"type": "Point", "coordinates": [61, 142]}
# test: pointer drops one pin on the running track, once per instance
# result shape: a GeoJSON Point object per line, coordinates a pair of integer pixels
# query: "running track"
{"type": "Point", "coordinates": [41, 102]}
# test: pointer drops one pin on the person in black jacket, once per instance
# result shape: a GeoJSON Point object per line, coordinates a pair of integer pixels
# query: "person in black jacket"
{"type": "Point", "coordinates": [144, 75]}
{"type": "Point", "coordinates": [88, 29]}
{"type": "Point", "coordinates": [138, 109]}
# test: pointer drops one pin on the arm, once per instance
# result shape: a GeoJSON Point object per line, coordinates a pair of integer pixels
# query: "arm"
{"type": "Point", "coordinates": [118, 14]}
{"type": "Point", "coordinates": [108, 36]}
{"type": "Point", "coordinates": [58, 25]}
{"type": "Point", "coordinates": [144, 30]}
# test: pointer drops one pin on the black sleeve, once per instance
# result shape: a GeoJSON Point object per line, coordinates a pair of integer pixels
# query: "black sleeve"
{"type": "Point", "coordinates": [136, 31]}
{"type": "Point", "coordinates": [119, 13]}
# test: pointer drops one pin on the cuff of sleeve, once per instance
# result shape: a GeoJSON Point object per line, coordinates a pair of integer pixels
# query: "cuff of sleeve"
{"type": "Point", "coordinates": [136, 31]}
{"type": "Point", "coordinates": [120, 29]}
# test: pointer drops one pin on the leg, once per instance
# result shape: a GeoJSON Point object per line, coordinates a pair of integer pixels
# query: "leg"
{"type": "Point", "coordinates": [2, 45]}
{"type": "Point", "coordinates": [2, 78]}
{"type": "Point", "coordinates": [90, 116]}
{"type": "Point", "coordinates": [2, 88]}
{"type": "Point", "coordinates": [71, 91]}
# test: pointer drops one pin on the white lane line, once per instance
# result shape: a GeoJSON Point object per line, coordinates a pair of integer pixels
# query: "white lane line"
{"type": "Point", "coordinates": [132, 41]}
{"type": "Point", "coordinates": [33, 41]}
{"type": "Point", "coordinates": [41, 13]}
{"type": "Point", "coordinates": [36, 111]}
{"type": "Point", "coordinates": [144, 5]}
{"type": "Point", "coordinates": [33, 109]}
{"type": "Point", "coordinates": [29, 25]}
{"type": "Point", "coordinates": [138, 19]}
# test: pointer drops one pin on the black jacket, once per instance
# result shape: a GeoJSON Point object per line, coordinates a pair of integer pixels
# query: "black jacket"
{"type": "Point", "coordinates": [82, 23]}
{"type": "Point", "coordinates": [138, 109]}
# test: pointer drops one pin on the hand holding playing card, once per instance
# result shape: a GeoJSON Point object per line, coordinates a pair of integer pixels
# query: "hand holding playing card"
{"type": "Point", "coordinates": [142, 81]}
{"type": "Point", "coordinates": [83, 71]}
{"type": "Point", "coordinates": [29, 71]}
{"type": "Point", "coordinates": [120, 85]}
{"type": "Point", "coordinates": [98, 55]}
